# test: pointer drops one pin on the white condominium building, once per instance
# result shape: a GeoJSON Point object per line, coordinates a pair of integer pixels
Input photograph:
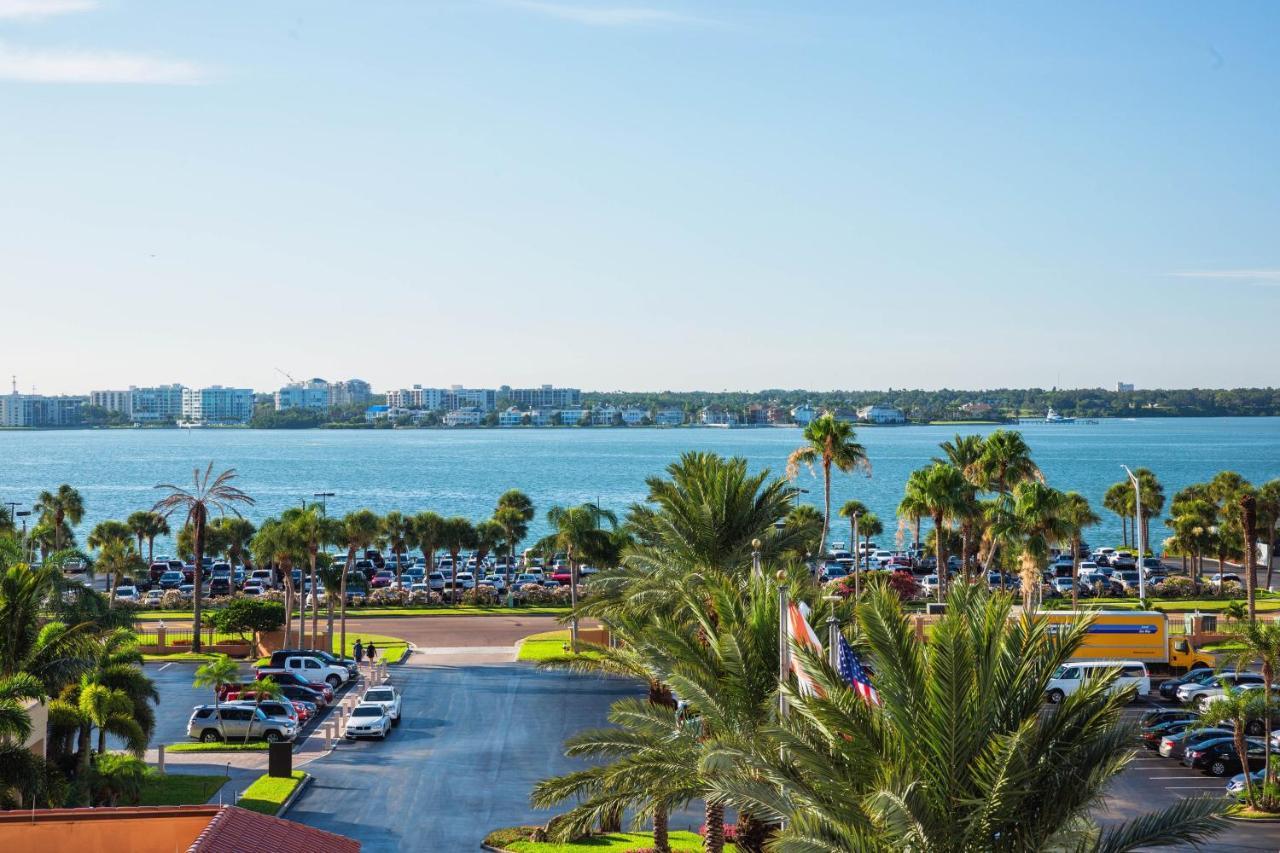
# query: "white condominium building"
{"type": "Point", "coordinates": [217, 405]}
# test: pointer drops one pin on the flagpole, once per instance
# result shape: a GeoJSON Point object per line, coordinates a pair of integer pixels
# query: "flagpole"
{"type": "Point", "coordinates": [833, 632]}
{"type": "Point", "coordinates": [784, 648]}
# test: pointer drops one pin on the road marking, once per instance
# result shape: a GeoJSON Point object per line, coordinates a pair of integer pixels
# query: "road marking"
{"type": "Point", "coordinates": [1175, 777]}
{"type": "Point", "coordinates": [166, 666]}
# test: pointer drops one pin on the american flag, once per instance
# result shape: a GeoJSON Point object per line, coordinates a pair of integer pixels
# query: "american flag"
{"type": "Point", "coordinates": [851, 670]}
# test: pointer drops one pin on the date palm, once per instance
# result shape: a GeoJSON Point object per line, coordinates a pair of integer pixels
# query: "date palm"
{"type": "Point", "coordinates": [426, 535]}
{"type": "Point", "coordinates": [830, 443]}
{"type": "Point", "coordinates": [360, 529]}
{"type": "Point", "coordinates": [456, 534]}
{"type": "Point", "coordinates": [397, 531]}
{"type": "Point", "coordinates": [206, 496]}
{"type": "Point", "coordinates": [146, 527]}
{"type": "Point", "coordinates": [961, 756]}
{"type": "Point", "coordinates": [1034, 518]}
{"type": "Point", "coordinates": [938, 492]}
{"type": "Point", "coordinates": [277, 544]}
{"type": "Point", "coordinates": [577, 531]}
{"type": "Point", "coordinates": [64, 506]}
{"type": "Point", "coordinates": [315, 530]}
{"type": "Point", "coordinates": [1077, 513]}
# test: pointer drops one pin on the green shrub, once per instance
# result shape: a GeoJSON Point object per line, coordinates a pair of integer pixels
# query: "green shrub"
{"type": "Point", "coordinates": [244, 615]}
{"type": "Point", "coordinates": [1176, 587]}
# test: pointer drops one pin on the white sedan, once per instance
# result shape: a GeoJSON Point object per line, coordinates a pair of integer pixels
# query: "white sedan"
{"type": "Point", "coordinates": [387, 697]}
{"type": "Point", "coordinates": [368, 719]}
{"type": "Point", "coordinates": [127, 593]}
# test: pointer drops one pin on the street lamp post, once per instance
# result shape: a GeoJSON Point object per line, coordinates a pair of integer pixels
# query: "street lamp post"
{"type": "Point", "coordinates": [833, 632]}
{"type": "Point", "coordinates": [1137, 531]}
{"type": "Point", "coordinates": [857, 562]}
{"type": "Point", "coordinates": [26, 551]}
{"type": "Point", "coordinates": [322, 496]}
{"type": "Point", "coordinates": [757, 571]}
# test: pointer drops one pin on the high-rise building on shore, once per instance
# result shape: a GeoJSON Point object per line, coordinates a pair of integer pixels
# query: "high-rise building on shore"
{"type": "Point", "coordinates": [456, 397]}
{"type": "Point", "coordinates": [37, 410]}
{"type": "Point", "coordinates": [353, 392]}
{"type": "Point", "coordinates": [544, 397]}
{"type": "Point", "coordinates": [142, 405]}
{"type": "Point", "coordinates": [217, 405]}
{"type": "Point", "coordinates": [312, 395]}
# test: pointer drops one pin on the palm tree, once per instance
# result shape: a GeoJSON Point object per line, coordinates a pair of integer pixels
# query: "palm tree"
{"type": "Point", "coordinates": [65, 506]}
{"type": "Point", "coordinates": [963, 451]}
{"type": "Point", "coordinates": [207, 494]}
{"type": "Point", "coordinates": [804, 526]}
{"type": "Point", "coordinates": [1249, 526]}
{"type": "Point", "coordinates": [456, 533]}
{"type": "Point", "coordinates": [1269, 519]}
{"type": "Point", "coordinates": [870, 527]}
{"type": "Point", "coordinates": [1004, 463]}
{"type": "Point", "coordinates": [1035, 519]}
{"type": "Point", "coordinates": [960, 756]}
{"type": "Point", "coordinates": [1119, 499]}
{"type": "Point", "coordinates": [216, 673]}
{"type": "Point", "coordinates": [1077, 513]}
{"type": "Point", "coordinates": [332, 575]}
{"type": "Point", "coordinates": [490, 535]}
{"type": "Point", "coordinates": [831, 443]}
{"type": "Point", "coordinates": [397, 530]}
{"type": "Point", "coordinates": [426, 535]}
{"type": "Point", "coordinates": [102, 708]}
{"type": "Point", "coordinates": [118, 559]}
{"type": "Point", "coordinates": [359, 531]}
{"type": "Point", "coordinates": [147, 526]}
{"type": "Point", "coordinates": [19, 771]}
{"type": "Point", "coordinates": [315, 530]}
{"type": "Point", "coordinates": [112, 536]}
{"type": "Point", "coordinates": [514, 511]}
{"type": "Point", "coordinates": [6, 522]}
{"type": "Point", "coordinates": [1259, 642]}
{"type": "Point", "coordinates": [277, 544]}
{"type": "Point", "coordinates": [52, 652]}
{"type": "Point", "coordinates": [236, 534]}
{"type": "Point", "coordinates": [577, 532]}
{"type": "Point", "coordinates": [938, 492]}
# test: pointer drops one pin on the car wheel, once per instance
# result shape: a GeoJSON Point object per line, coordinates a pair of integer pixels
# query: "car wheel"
{"type": "Point", "coordinates": [1218, 768]}
{"type": "Point", "coordinates": [383, 736]}
{"type": "Point", "coordinates": [1253, 727]}
{"type": "Point", "coordinates": [210, 736]}
{"type": "Point", "coordinates": [1056, 696]}
{"type": "Point", "coordinates": [1202, 703]}
{"type": "Point", "coordinates": [334, 681]}
{"type": "Point", "coordinates": [395, 721]}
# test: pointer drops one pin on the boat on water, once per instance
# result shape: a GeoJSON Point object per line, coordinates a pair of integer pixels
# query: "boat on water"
{"type": "Point", "coordinates": [1052, 417]}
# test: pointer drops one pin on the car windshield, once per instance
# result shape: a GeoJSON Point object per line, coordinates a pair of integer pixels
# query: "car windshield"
{"type": "Point", "coordinates": [366, 711]}
{"type": "Point", "coordinates": [379, 696]}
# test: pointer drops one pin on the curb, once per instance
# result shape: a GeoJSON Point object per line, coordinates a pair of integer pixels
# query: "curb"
{"type": "Point", "coordinates": [1249, 820]}
{"type": "Point", "coordinates": [297, 792]}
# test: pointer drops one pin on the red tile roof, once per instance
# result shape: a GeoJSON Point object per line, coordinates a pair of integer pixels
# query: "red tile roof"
{"type": "Point", "coordinates": [237, 830]}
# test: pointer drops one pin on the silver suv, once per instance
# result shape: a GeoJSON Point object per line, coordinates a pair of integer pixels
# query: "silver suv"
{"type": "Point", "coordinates": [211, 723]}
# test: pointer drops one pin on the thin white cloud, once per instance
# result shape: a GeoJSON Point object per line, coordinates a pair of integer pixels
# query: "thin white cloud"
{"type": "Point", "coordinates": [41, 65]}
{"type": "Point", "coordinates": [12, 9]}
{"type": "Point", "coordinates": [605, 16]}
{"type": "Point", "coordinates": [1263, 278]}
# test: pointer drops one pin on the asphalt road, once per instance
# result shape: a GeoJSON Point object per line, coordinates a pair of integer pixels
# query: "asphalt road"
{"type": "Point", "coordinates": [453, 631]}
{"type": "Point", "coordinates": [472, 742]}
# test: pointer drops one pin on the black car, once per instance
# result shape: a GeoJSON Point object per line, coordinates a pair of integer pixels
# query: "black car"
{"type": "Point", "coordinates": [1152, 735]}
{"type": "Point", "coordinates": [302, 694]}
{"type": "Point", "coordinates": [220, 586]}
{"type": "Point", "coordinates": [1169, 687]}
{"type": "Point", "coordinates": [1167, 715]}
{"type": "Point", "coordinates": [1219, 757]}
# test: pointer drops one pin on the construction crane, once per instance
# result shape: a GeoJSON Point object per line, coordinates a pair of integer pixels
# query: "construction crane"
{"type": "Point", "coordinates": [292, 381]}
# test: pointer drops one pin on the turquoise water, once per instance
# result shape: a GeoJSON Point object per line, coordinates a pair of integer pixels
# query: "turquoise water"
{"type": "Point", "coordinates": [462, 472]}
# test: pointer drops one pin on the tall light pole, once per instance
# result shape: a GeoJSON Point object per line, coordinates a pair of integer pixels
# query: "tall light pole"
{"type": "Point", "coordinates": [857, 561]}
{"type": "Point", "coordinates": [757, 571]}
{"type": "Point", "coordinates": [1137, 531]}
{"type": "Point", "coordinates": [322, 496]}
{"type": "Point", "coordinates": [26, 550]}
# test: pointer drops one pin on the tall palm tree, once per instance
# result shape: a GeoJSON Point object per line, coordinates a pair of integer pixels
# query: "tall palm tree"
{"type": "Point", "coordinates": [1005, 462]}
{"type": "Point", "coordinates": [490, 535]}
{"type": "Point", "coordinates": [1236, 709]}
{"type": "Point", "coordinates": [145, 525]}
{"type": "Point", "coordinates": [1119, 499]}
{"type": "Point", "coordinates": [1249, 526]}
{"type": "Point", "coordinates": [315, 530]}
{"type": "Point", "coordinates": [1269, 520]}
{"type": "Point", "coordinates": [207, 495]}
{"type": "Point", "coordinates": [514, 511]}
{"type": "Point", "coordinates": [360, 529]}
{"type": "Point", "coordinates": [939, 492]}
{"type": "Point", "coordinates": [118, 559]}
{"type": "Point", "coordinates": [963, 451]}
{"type": "Point", "coordinates": [332, 575]}
{"type": "Point", "coordinates": [64, 506]}
{"type": "Point", "coordinates": [277, 544]}
{"type": "Point", "coordinates": [577, 531]}
{"type": "Point", "coordinates": [397, 530]}
{"type": "Point", "coordinates": [456, 534]}
{"type": "Point", "coordinates": [1259, 642]}
{"type": "Point", "coordinates": [236, 533]}
{"type": "Point", "coordinates": [1078, 515]}
{"type": "Point", "coordinates": [830, 443]}
{"type": "Point", "coordinates": [215, 674]}
{"type": "Point", "coordinates": [961, 755]}
{"type": "Point", "coordinates": [426, 535]}
{"type": "Point", "coordinates": [1035, 519]}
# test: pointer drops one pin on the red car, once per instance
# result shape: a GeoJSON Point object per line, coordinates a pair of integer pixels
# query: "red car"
{"type": "Point", "coordinates": [284, 677]}
{"type": "Point", "coordinates": [561, 576]}
{"type": "Point", "coordinates": [382, 579]}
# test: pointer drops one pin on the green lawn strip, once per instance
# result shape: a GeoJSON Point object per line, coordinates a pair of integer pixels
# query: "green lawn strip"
{"type": "Point", "coordinates": [1176, 605]}
{"type": "Point", "coordinates": [390, 649]}
{"type": "Point", "coordinates": [179, 789]}
{"type": "Point", "coordinates": [545, 646]}
{"type": "Point", "coordinates": [180, 657]}
{"type": "Point", "coordinates": [1222, 647]}
{"type": "Point", "coordinates": [217, 746]}
{"type": "Point", "coordinates": [268, 793]}
{"type": "Point", "coordinates": [516, 841]}
{"type": "Point", "coordinates": [1245, 812]}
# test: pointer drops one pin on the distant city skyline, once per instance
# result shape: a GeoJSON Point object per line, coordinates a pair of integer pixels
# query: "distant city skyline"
{"type": "Point", "coordinates": [652, 194]}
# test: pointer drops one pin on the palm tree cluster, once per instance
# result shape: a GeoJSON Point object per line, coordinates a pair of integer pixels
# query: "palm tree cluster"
{"type": "Point", "coordinates": [86, 669]}
{"type": "Point", "coordinates": [960, 756]}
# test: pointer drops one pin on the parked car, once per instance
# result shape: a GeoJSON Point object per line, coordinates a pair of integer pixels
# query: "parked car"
{"type": "Point", "coordinates": [1169, 687]}
{"type": "Point", "coordinates": [220, 585]}
{"type": "Point", "coordinates": [127, 593]}
{"type": "Point", "coordinates": [171, 580]}
{"type": "Point", "coordinates": [211, 724]}
{"type": "Point", "coordinates": [1151, 736]}
{"type": "Point", "coordinates": [265, 577]}
{"type": "Point", "coordinates": [1219, 757]}
{"type": "Point", "coordinates": [283, 676]}
{"type": "Point", "coordinates": [154, 596]}
{"type": "Point", "coordinates": [311, 668]}
{"type": "Point", "coordinates": [1235, 787]}
{"type": "Point", "coordinates": [1070, 676]}
{"type": "Point", "coordinates": [281, 708]}
{"type": "Point", "coordinates": [1219, 579]}
{"type": "Point", "coordinates": [466, 580]}
{"type": "Point", "coordinates": [386, 696]}
{"type": "Point", "coordinates": [328, 657]}
{"type": "Point", "coordinates": [382, 580]}
{"type": "Point", "coordinates": [1172, 746]}
{"type": "Point", "coordinates": [1192, 693]}
{"type": "Point", "coordinates": [306, 695]}
{"type": "Point", "coordinates": [368, 719]}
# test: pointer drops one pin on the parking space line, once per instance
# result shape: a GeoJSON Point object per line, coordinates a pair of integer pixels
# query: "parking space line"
{"type": "Point", "coordinates": [1174, 777]}
{"type": "Point", "coordinates": [166, 666]}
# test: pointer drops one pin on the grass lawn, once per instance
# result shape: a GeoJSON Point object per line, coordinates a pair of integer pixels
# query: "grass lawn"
{"type": "Point", "coordinates": [179, 789]}
{"type": "Point", "coordinates": [514, 840]}
{"type": "Point", "coordinates": [217, 746]}
{"type": "Point", "coordinates": [268, 793]}
{"type": "Point", "coordinates": [1266, 603]}
{"type": "Point", "coordinates": [548, 644]}
{"type": "Point", "coordinates": [1244, 811]}
{"type": "Point", "coordinates": [180, 657]}
{"type": "Point", "coordinates": [1222, 647]}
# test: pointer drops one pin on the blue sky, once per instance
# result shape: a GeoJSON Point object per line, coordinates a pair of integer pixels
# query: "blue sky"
{"type": "Point", "coordinates": [639, 194]}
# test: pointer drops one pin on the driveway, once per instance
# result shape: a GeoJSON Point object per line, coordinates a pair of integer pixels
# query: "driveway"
{"type": "Point", "coordinates": [453, 631]}
{"type": "Point", "coordinates": [472, 742]}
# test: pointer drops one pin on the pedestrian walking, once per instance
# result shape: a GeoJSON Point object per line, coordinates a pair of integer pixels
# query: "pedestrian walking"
{"type": "Point", "coordinates": [371, 651]}
{"type": "Point", "coordinates": [358, 651]}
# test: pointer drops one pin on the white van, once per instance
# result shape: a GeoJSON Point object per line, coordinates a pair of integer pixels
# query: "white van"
{"type": "Point", "coordinates": [1070, 676]}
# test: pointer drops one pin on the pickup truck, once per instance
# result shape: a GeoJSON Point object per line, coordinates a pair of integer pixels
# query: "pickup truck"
{"type": "Point", "coordinates": [312, 668]}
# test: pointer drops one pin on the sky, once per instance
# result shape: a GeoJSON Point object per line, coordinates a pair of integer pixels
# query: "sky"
{"type": "Point", "coordinates": [639, 194]}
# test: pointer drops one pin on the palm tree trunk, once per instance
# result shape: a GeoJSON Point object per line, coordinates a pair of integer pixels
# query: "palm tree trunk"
{"type": "Point", "coordinates": [573, 603]}
{"type": "Point", "coordinates": [198, 577]}
{"type": "Point", "coordinates": [85, 750]}
{"type": "Point", "coordinates": [1271, 554]}
{"type": "Point", "coordinates": [713, 841]}
{"type": "Point", "coordinates": [1075, 571]}
{"type": "Point", "coordinates": [342, 602]}
{"type": "Point", "coordinates": [151, 549]}
{"type": "Point", "coordinates": [940, 545]}
{"type": "Point", "coordinates": [826, 515]}
{"type": "Point", "coordinates": [751, 835]}
{"type": "Point", "coordinates": [661, 839]}
{"type": "Point", "coordinates": [315, 605]}
{"type": "Point", "coordinates": [102, 740]}
{"type": "Point", "coordinates": [1268, 780]}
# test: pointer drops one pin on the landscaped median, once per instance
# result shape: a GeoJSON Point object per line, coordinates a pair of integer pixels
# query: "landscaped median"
{"type": "Point", "coordinates": [269, 793]}
{"type": "Point", "coordinates": [516, 840]}
{"type": "Point", "coordinates": [143, 616]}
{"type": "Point", "coordinates": [547, 645]}
{"type": "Point", "coordinates": [179, 789]}
{"type": "Point", "coordinates": [217, 746]}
